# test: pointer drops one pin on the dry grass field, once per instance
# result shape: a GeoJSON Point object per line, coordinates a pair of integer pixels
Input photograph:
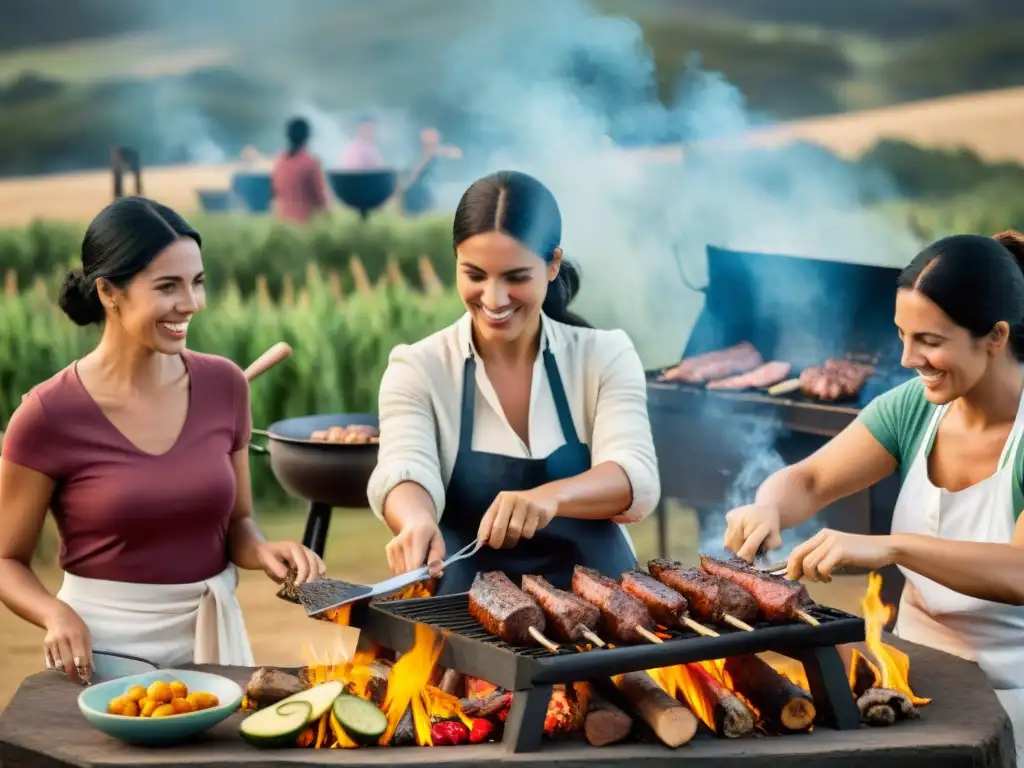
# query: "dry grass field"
{"type": "Point", "coordinates": [279, 630]}
{"type": "Point", "coordinates": [988, 123]}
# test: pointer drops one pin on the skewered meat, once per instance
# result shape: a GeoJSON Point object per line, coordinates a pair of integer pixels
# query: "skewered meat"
{"type": "Point", "coordinates": [710, 597]}
{"type": "Point", "coordinates": [567, 613]}
{"type": "Point", "coordinates": [835, 380]}
{"type": "Point", "coordinates": [664, 604]}
{"type": "Point", "coordinates": [354, 434]}
{"type": "Point", "coordinates": [621, 614]}
{"type": "Point", "coordinates": [762, 376]}
{"type": "Point", "coordinates": [777, 598]}
{"type": "Point", "coordinates": [715, 365]}
{"type": "Point", "coordinates": [503, 609]}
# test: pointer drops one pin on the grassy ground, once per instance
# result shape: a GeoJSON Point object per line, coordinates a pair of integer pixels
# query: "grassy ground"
{"type": "Point", "coordinates": [278, 630]}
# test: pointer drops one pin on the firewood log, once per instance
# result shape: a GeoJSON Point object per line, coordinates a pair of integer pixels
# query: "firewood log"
{"type": "Point", "coordinates": [405, 731]}
{"type": "Point", "coordinates": [884, 706]}
{"type": "Point", "coordinates": [487, 705]}
{"type": "Point", "coordinates": [377, 687]}
{"type": "Point", "coordinates": [732, 718]}
{"type": "Point", "coordinates": [604, 723]}
{"type": "Point", "coordinates": [784, 706]}
{"type": "Point", "coordinates": [863, 676]}
{"type": "Point", "coordinates": [671, 722]}
{"type": "Point", "coordinates": [268, 686]}
{"type": "Point", "coordinates": [453, 683]}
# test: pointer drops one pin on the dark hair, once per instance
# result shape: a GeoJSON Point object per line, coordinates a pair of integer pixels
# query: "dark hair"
{"type": "Point", "coordinates": [297, 132]}
{"type": "Point", "coordinates": [521, 207]}
{"type": "Point", "coordinates": [976, 280]}
{"type": "Point", "coordinates": [121, 241]}
{"type": "Point", "coordinates": [1013, 241]}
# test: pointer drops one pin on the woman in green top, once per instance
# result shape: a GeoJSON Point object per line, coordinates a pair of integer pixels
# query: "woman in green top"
{"type": "Point", "coordinates": [954, 434]}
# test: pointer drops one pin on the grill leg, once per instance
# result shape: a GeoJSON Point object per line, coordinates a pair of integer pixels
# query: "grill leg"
{"type": "Point", "coordinates": [317, 523]}
{"type": "Point", "coordinates": [830, 687]}
{"type": "Point", "coordinates": [662, 512]}
{"type": "Point", "coordinates": [524, 726]}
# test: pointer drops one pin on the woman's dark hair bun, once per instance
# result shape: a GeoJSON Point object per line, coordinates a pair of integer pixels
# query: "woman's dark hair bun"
{"type": "Point", "coordinates": [79, 300]}
{"type": "Point", "coordinates": [1013, 241]}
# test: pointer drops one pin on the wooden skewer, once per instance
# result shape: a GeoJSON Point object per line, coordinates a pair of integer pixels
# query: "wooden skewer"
{"type": "Point", "coordinates": [700, 629]}
{"type": "Point", "coordinates": [592, 637]}
{"type": "Point", "coordinates": [732, 621]}
{"type": "Point", "coordinates": [649, 635]}
{"type": "Point", "coordinates": [535, 633]}
{"type": "Point", "coordinates": [805, 617]}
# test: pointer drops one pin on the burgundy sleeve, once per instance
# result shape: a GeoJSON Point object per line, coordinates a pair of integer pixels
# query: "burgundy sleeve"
{"type": "Point", "coordinates": [30, 440]}
{"type": "Point", "coordinates": [242, 409]}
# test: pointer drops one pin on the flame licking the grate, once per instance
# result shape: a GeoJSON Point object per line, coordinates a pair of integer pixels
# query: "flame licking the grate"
{"type": "Point", "coordinates": [893, 666]}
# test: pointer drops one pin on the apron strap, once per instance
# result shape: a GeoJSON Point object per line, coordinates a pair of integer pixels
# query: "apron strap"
{"type": "Point", "coordinates": [468, 404]}
{"type": "Point", "coordinates": [558, 394]}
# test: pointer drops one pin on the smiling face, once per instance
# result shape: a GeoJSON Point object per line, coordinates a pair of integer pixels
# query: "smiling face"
{"type": "Point", "coordinates": [155, 307]}
{"type": "Point", "coordinates": [949, 360]}
{"type": "Point", "coordinates": [503, 284]}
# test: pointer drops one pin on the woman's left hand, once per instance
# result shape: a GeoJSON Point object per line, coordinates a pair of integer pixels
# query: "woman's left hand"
{"type": "Point", "coordinates": [816, 558]}
{"type": "Point", "coordinates": [277, 556]}
{"type": "Point", "coordinates": [515, 515]}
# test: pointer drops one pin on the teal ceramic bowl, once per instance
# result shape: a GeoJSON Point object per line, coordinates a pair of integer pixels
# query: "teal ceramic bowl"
{"type": "Point", "coordinates": [161, 731]}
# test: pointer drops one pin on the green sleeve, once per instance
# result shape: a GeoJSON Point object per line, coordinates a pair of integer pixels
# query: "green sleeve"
{"type": "Point", "coordinates": [896, 418]}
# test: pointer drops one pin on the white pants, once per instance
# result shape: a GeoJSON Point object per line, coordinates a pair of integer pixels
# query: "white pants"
{"type": "Point", "coordinates": [168, 624]}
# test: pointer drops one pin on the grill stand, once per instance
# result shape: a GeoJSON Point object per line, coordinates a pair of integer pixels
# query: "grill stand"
{"type": "Point", "coordinates": [830, 687]}
{"type": "Point", "coordinates": [524, 726]}
{"type": "Point", "coordinates": [318, 522]}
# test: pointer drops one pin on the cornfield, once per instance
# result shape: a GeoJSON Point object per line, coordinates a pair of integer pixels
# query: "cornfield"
{"type": "Point", "coordinates": [341, 337]}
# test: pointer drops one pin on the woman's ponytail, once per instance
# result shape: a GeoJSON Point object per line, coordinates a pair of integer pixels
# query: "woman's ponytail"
{"type": "Point", "coordinates": [561, 291]}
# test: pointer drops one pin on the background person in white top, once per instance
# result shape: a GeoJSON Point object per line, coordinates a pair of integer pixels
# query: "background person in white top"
{"type": "Point", "coordinates": [518, 425]}
{"type": "Point", "coordinates": [954, 433]}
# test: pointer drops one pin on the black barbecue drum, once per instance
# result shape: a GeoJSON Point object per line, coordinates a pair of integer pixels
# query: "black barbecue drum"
{"type": "Point", "coordinates": [324, 459]}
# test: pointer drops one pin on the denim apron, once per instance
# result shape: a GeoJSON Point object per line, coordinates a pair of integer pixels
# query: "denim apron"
{"type": "Point", "coordinates": [478, 477]}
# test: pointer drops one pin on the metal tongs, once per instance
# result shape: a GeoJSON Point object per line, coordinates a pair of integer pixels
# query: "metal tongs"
{"type": "Point", "coordinates": [324, 595]}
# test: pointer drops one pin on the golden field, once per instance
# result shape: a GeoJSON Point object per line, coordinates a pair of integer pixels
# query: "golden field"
{"type": "Point", "coordinates": [988, 123]}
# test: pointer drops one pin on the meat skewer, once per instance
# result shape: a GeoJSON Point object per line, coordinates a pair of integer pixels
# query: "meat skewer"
{"type": "Point", "coordinates": [622, 616]}
{"type": "Point", "coordinates": [712, 598]}
{"type": "Point", "coordinates": [506, 611]}
{"type": "Point", "coordinates": [572, 617]}
{"type": "Point", "coordinates": [667, 606]}
{"type": "Point", "coordinates": [778, 599]}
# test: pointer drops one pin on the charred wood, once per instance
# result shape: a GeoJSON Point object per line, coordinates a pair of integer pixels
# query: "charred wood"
{"type": "Point", "coordinates": [784, 706]}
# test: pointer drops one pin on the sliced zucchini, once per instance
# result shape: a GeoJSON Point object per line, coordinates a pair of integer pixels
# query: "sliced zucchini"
{"type": "Point", "coordinates": [277, 726]}
{"type": "Point", "coordinates": [360, 719]}
{"type": "Point", "coordinates": [281, 724]}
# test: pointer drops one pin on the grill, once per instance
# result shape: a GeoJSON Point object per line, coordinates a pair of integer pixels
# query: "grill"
{"type": "Point", "coordinates": [532, 671]}
{"type": "Point", "coordinates": [715, 447]}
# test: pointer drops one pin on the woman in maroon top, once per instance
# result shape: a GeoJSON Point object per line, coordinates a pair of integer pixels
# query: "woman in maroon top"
{"type": "Point", "coordinates": [298, 179]}
{"type": "Point", "coordinates": [140, 450]}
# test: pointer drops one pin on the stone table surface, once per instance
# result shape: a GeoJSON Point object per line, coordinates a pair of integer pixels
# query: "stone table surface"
{"type": "Point", "coordinates": [963, 726]}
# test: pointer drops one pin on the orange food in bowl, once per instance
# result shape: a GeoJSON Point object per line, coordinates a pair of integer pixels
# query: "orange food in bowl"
{"type": "Point", "coordinates": [161, 699]}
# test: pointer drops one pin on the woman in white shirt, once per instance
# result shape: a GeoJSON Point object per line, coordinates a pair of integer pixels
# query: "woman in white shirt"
{"type": "Point", "coordinates": [518, 425]}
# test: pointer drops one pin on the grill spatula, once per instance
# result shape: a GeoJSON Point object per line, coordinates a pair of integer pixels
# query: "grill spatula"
{"type": "Point", "coordinates": [324, 595]}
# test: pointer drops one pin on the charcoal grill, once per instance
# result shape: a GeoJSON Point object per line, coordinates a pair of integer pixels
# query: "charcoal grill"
{"type": "Point", "coordinates": [790, 308]}
{"type": "Point", "coordinates": [531, 672]}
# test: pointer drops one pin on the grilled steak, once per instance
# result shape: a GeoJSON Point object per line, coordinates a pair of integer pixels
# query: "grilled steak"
{"type": "Point", "coordinates": [777, 598]}
{"type": "Point", "coordinates": [715, 365]}
{"type": "Point", "coordinates": [621, 614]}
{"type": "Point", "coordinates": [762, 376]}
{"type": "Point", "coordinates": [566, 613]}
{"type": "Point", "coordinates": [710, 597]}
{"type": "Point", "coordinates": [835, 380]}
{"type": "Point", "coordinates": [664, 604]}
{"type": "Point", "coordinates": [503, 609]}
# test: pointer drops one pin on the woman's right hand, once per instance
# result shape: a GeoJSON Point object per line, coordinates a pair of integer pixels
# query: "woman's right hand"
{"type": "Point", "coordinates": [68, 643]}
{"type": "Point", "coordinates": [752, 528]}
{"type": "Point", "coordinates": [418, 543]}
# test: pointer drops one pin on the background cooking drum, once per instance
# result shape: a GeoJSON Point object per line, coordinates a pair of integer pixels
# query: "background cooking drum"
{"type": "Point", "coordinates": [324, 473]}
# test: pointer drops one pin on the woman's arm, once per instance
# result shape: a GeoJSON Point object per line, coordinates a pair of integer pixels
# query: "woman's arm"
{"type": "Point", "coordinates": [244, 536]}
{"type": "Point", "coordinates": [24, 498]}
{"type": "Point", "coordinates": [623, 482]}
{"type": "Point", "coordinates": [986, 571]}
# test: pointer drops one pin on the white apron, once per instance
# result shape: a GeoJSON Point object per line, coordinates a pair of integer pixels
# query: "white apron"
{"type": "Point", "coordinates": [989, 633]}
{"type": "Point", "coordinates": [168, 624]}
